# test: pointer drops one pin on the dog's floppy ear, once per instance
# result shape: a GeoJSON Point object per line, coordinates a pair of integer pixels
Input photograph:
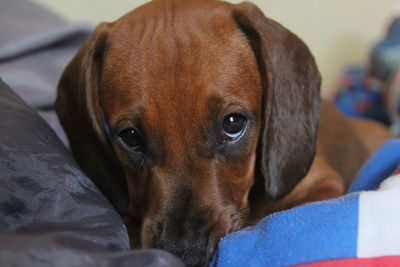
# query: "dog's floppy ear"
{"type": "Point", "coordinates": [79, 110]}
{"type": "Point", "coordinates": [291, 101]}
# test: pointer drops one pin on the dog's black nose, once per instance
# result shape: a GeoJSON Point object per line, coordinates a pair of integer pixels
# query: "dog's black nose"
{"type": "Point", "coordinates": [190, 240]}
{"type": "Point", "coordinates": [192, 252]}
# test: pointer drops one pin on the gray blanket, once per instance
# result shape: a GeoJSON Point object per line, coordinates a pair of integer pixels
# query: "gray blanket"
{"type": "Point", "coordinates": [35, 46]}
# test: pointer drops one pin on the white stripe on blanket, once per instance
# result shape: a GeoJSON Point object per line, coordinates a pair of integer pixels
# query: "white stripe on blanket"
{"type": "Point", "coordinates": [379, 220]}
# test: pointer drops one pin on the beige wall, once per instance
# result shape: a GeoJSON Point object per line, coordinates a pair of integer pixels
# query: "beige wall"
{"type": "Point", "coordinates": [339, 32]}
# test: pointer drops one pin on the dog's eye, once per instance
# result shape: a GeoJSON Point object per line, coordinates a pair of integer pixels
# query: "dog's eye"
{"type": "Point", "coordinates": [131, 138]}
{"type": "Point", "coordinates": [233, 126]}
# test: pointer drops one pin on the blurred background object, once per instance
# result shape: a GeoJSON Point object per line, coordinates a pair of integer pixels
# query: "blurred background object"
{"type": "Point", "coordinates": [338, 32]}
{"type": "Point", "coordinates": [372, 90]}
{"type": "Point", "coordinates": [35, 47]}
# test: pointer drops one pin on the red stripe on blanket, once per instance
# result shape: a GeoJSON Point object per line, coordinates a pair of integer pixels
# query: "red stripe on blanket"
{"type": "Point", "coordinates": [397, 171]}
{"type": "Point", "coordinates": [360, 262]}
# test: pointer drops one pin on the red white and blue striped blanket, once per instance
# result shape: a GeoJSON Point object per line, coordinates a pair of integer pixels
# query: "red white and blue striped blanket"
{"type": "Point", "coordinates": [360, 228]}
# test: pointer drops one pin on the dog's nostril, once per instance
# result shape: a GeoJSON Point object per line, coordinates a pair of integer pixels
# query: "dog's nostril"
{"type": "Point", "coordinates": [158, 229]}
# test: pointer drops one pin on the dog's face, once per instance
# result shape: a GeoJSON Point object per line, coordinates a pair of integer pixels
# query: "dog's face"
{"type": "Point", "coordinates": [184, 127]}
{"type": "Point", "coordinates": [174, 109]}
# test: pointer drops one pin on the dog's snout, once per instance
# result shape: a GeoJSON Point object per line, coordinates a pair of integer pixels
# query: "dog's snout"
{"type": "Point", "coordinates": [191, 243]}
{"type": "Point", "coordinates": [192, 235]}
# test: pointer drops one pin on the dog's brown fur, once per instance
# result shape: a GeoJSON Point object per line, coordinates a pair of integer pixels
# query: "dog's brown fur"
{"type": "Point", "coordinates": [172, 69]}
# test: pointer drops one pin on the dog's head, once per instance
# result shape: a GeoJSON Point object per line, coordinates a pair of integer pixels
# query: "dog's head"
{"type": "Point", "coordinates": [178, 107]}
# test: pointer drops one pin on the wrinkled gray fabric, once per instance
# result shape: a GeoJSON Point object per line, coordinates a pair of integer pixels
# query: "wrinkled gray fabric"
{"type": "Point", "coordinates": [51, 214]}
{"type": "Point", "coordinates": [35, 47]}
{"type": "Point", "coordinates": [42, 190]}
{"type": "Point", "coordinates": [42, 251]}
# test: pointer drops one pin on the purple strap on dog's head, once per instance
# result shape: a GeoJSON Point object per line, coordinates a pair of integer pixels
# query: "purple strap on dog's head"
{"type": "Point", "coordinates": [105, 123]}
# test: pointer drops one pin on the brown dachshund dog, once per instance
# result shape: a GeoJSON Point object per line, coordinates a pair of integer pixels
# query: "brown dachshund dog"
{"type": "Point", "coordinates": [198, 117]}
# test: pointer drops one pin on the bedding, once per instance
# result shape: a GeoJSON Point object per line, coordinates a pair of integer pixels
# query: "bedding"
{"type": "Point", "coordinates": [360, 227]}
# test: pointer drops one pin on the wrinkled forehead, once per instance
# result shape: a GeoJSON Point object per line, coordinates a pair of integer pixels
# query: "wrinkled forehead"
{"type": "Point", "coordinates": [181, 60]}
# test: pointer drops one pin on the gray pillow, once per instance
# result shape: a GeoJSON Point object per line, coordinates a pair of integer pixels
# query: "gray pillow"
{"type": "Point", "coordinates": [50, 211]}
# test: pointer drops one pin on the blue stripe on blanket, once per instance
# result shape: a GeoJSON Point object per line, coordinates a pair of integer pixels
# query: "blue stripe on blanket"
{"type": "Point", "coordinates": [380, 166]}
{"type": "Point", "coordinates": [300, 235]}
